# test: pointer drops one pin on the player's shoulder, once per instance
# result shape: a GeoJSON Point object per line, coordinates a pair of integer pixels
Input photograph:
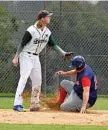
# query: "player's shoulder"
{"type": "Point", "coordinates": [89, 67]}
{"type": "Point", "coordinates": [48, 30]}
{"type": "Point", "coordinates": [88, 71]}
{"type": "Point", "coordinates": [31, 29]}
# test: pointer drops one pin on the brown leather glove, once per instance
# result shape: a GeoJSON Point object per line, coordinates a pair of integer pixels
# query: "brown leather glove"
{"type": "Point", "coordinates": [68, 56]}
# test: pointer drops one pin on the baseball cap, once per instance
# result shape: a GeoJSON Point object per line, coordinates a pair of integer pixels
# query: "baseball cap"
{"type": "Point", "coordinates": [43, 13]}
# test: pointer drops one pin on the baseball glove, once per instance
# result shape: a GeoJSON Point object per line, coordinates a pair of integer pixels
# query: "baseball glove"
{"type": "Point", "coordinates": [68, 56]}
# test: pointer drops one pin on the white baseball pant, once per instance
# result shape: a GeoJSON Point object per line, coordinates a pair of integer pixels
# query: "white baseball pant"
{"type": "Point", "coordinates": [29, 66]}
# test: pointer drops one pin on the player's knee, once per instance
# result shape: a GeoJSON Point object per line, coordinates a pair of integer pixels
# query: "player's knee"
{"type": "Point", "coordinates": [64, 107]}
{"type": "Point", "coordinates": [36, 84]}
{"type": "Point", "coordinates": [69, 107]}
{"type": "Point", "coordinates": [23, 79]}
{"type": "Point", "coordinates": [63, 83]}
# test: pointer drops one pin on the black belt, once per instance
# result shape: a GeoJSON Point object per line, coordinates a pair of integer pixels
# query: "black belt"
{"type": "Point", "coordinates": [32, 53]}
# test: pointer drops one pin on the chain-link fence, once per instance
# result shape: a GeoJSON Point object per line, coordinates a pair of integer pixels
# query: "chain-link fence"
{"type": "Point", "coordinates": [81, 27]}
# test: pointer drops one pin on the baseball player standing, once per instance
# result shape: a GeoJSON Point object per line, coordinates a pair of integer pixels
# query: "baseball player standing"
{"type": "Point", "coordinates": [33, 42]}
{"type": "Point", "coordinates": [82, 93]}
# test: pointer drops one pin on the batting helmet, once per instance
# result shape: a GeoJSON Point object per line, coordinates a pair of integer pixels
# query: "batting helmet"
{"type": "Point", "coordinates": [78, 62]}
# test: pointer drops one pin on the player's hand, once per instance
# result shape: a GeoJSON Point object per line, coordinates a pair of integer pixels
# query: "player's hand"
{"type": "Point", "coordinates": [60, 72]}
{"type": "Point", "coordinates": [15, 61]}
{"type": "Point", "coordinates": [83, 109]}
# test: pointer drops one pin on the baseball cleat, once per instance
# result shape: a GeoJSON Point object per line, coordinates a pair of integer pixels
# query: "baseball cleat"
{"type": "Point", "coordinates": [35, 107]}
{"type": "Point", "coordinates": [19, 108]}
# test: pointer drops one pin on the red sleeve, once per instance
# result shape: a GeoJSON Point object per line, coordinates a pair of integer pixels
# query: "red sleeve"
{"type": "Point", "coordinates": [86, 82]}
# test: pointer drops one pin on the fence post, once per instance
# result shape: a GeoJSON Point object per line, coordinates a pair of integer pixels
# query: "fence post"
{"type": "Point", "coordinates": [45, 93]}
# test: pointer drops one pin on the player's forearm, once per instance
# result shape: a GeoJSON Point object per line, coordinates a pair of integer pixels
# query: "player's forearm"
{"type": "Point", "coordinates": [19, 50]}
{"type": "Point", "coordinates": [54, 45]}
{"type": "Point", "coordinates": [58, 49]}
{"type": "Point", "coordinates": [68, 73]}
{"type": "Point", "coordinates": [85, 98]}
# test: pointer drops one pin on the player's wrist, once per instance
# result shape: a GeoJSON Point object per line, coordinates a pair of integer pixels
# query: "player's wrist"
{"type": "Point", "coordinates": [84, 104]}
{"type": "Point", "coordinates": [15, 57]}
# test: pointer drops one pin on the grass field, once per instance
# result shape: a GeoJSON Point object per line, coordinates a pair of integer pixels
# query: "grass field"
{"type": "Point", "coordinates": [49, 127]}
{"type": "Point", "coordinates": [7, 103]}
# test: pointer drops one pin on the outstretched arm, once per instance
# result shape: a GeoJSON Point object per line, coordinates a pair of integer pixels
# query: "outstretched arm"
{"type": "Point", "coordinates": [68, 73]}
{"type": "Point", "coordinates": [54, 45]}
{"type": "Point", "coordinates": [58, 49]}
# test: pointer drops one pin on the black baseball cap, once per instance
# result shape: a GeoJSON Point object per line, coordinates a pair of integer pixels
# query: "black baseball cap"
{"type": "Point", "coordinates": [43, 14]}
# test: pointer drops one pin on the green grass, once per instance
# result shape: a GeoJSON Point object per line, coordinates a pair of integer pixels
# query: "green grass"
{"type": "Point", "coordinates": [7, 103]}
{"type": "Point", "coordinates": [7, 94]}
{"type": "Point", "coordinates": [101, 104]}
{"type": "Point", "coordinates": [49, 127]}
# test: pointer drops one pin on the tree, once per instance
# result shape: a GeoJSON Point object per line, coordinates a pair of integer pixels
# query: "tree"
{"type": "Point", "coordinates": [8, 24]}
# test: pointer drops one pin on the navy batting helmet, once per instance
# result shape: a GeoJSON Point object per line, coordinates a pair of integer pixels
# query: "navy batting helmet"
{"type": "Point", "coordinates": [78, 62]}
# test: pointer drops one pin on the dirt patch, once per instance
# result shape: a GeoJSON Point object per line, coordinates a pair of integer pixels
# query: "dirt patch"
{"type": "Point", "coordinates": [54, 117]}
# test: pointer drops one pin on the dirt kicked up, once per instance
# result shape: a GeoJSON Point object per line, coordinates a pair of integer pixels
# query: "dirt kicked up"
{"type": "Point", "coordinates": [99, 118]}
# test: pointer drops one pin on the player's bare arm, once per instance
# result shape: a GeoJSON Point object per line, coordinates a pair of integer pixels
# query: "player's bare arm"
{"type": "Point", "coordinates": [68, 73]}
{"type": "Point", "coordinates": [85, 98]}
